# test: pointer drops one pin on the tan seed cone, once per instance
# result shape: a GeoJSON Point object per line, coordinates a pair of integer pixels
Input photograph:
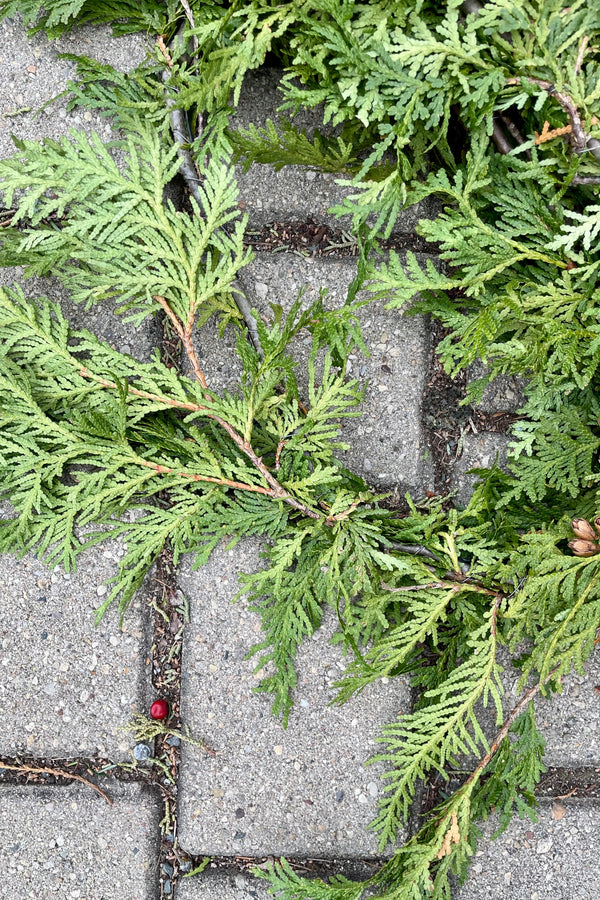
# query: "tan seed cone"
{"type": "Point", "coordinates": [584, 548]}
{"type": "Point", "coordinates": [583, 529]}
{"type": "Point", "coordinates": [597, 524]}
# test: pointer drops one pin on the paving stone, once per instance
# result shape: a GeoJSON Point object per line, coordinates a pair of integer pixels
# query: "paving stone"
{"type": "Point", "coordinates": [23, 89]}
{"type": "Point", "coordinates": [505, 394]}
{"type": "Point", "coordinates": [555, 859]}
{"type": "Point", "coordinates": [387, 445]}
{"type": "Point", "coordinates": [68, 688]}
{"type": "Point", "coordinates": [303, 791]}
{"type": "Point", "coordinates": [68, 842]}
{"type": "Point", "coordinates": [570, 722]}
{"type": "Point", "coordinates": [479, 451]}
{"type": "Point", "coordinates": [295, 193]}
{"type": "Point", "coordinates": [101, 320]}
{"type": "Point", "coordinates": [222, 886]}
{"type": "Point", "coordinates": [33, 74]}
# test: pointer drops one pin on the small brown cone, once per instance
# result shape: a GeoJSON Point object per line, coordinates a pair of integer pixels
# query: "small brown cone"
{"type": "Point", "coordinates": [597, 524]}
{"type": "Point", "coordinates": [584, 548]}
{"type": "Point", "coordinates": [582, 529]}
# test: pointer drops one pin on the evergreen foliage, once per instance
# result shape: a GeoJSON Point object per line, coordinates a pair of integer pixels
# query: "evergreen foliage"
{"type": "Point", "coordinates": [493, 110]}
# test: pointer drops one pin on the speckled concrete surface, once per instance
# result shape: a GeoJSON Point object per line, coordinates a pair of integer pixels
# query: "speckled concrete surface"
{"type": "Point", "coordinates": [478, 451]}
{"type": "Point", "coordinates": [556, 859]}
{"type": "Point", "coordinates": [69, 843]}
{"type": "Point", "coordinates": [32, 75]}
{"type": "Point", "coordinates": [210, 885]}
{"type": "Point", "coordinates": [387, 445]}
{"type": "Point", "coordinates": [68, 688]}
{"type": "Point", "coordinates": [295, 193]}
{"type": "Point", "coordinates": [300, 791]}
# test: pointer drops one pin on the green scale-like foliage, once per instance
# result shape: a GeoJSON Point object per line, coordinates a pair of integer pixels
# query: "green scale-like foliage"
{"type": "Point", "coordinates": [94, 442]}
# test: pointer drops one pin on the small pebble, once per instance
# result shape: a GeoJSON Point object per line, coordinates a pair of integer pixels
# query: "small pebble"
{"type": "Point", "coordinates": [168, 869]}
{"type": "Point", "coordinates": [544, 846]}
{"type": "Point", "coordinates": [367, 464]}
{"type": "Point", "coordinates": [167, 887]}
{"type": "Point", "coordinates": [142, 752]}
{"type": "Point", "coordinates": [101, 590]}
{"type": "Point", "coordinates": [339, 796]}
{"type": "Point", "coordinates": [261, 290]}
{"type": "Point", "coordinates": [278, 750]}
{"type": "Point", "coordinates": [173, 740]}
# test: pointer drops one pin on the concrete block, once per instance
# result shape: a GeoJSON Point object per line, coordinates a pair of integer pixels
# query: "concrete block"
{"type": "Point", "coordinates": [505, 394]}
{"type": "Point", "coordinates": [68, 688]}
{"type": "Point", "coordinates": [386, 443]}
{"type": "Point", "coordinates": [303, 791]}
{"type": "Point", "coordinates": [33, 75]}
{"type": "Point", "coordinates": [555, 859]}
{"type": "Point", "coordinates": [222, 886]}
{"type": "Point", "coordinates": [101, 320]}
{"type": "Point", "coordinates": [479, 451]}
{"type": "Point", "coordinates": [295, 193]}
{"type": "Point", "coordinates": [68, 842]}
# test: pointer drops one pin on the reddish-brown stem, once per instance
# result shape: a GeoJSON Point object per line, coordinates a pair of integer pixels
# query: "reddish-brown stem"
{"type": "Point", "coordinates": [169, 401]}
{"type": "Point", "coordinates": [513, 716]}
{"type": "Point", "coordinates": [185, 336]}
{"type": "Point", "coordinates": [277, 492]}
{"type": "Point", "coordinates": [193, 476]}
{"type": "Point", "coordinates": [60, 773]}
{"type": "Point", "coordinates": [581, 140]}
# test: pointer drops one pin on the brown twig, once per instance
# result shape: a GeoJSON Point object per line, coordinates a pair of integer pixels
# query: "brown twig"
{"type": "Point", "coordinates": [500, 139]}
{"type": "Point", "coordinates": [35, 770]}
{"type": "Point", "coordinates": [185, 336]}
{"type": "Point", "coordinates": [512, 717]}
{"type": "Point", "coordinates": [586, 179]}
{"type": "Point", "coordinates": [277, 492]}
{"type": "Point", "coordinates": [193, 476]}
{"type": "Point", "coordinates": [581, 54]}
{"type": "Point", "coordinates": [582, 141]}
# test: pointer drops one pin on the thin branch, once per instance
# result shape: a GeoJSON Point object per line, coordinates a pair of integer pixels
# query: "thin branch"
{"type": "Point", "coordinates": [244, 307]}
{"type": "Point", "coordinates": [40, 770]}
{"type": "Point", "coordinates": [586, 179]}
{"type": "Point", "coordinates": [146, 395]}
{"type": "Point", "coordinates": [277, 491]}
{"type": "Point", "coordinates": [500, 139]}
{"type": "Point", "coordinates": [581, 54]}
{"type": "Point", "coordinates": [189, 172]}
{"type": "Point", "coordinates": [582, 142]}
{"type": "Point", "coordinates": [194, 476]}
{"type": "Point", "coordinates": [185, 336]}
{"type": "Point", "coordinates": [513, 716]}
{"type": "Point", "coordinates": [420, 587]}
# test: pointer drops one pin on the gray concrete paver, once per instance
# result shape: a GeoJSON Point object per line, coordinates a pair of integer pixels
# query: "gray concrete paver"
{"type": "Point", "coordinates": [301, 791]}
{"type": "Point", "coordinates": [555, 859]}
{"type": "Point", "coordinates": [68, 688]}
{"type": "Point", "coordinates": [33, 75]}
{"type": "Point", "coordinates": [478, 452]}
{"type": "Point", "coordinates": [387, 444]}
{"type": "Point", "coordinates": [69, 843]}
{"type": "Point", "coordinates": [295, 193]}
{"type": "Point", "coordinates": [222, 886]}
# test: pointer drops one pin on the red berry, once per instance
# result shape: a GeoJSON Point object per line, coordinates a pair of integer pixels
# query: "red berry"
{"type": "Point", "coordinates": [159, 709]}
